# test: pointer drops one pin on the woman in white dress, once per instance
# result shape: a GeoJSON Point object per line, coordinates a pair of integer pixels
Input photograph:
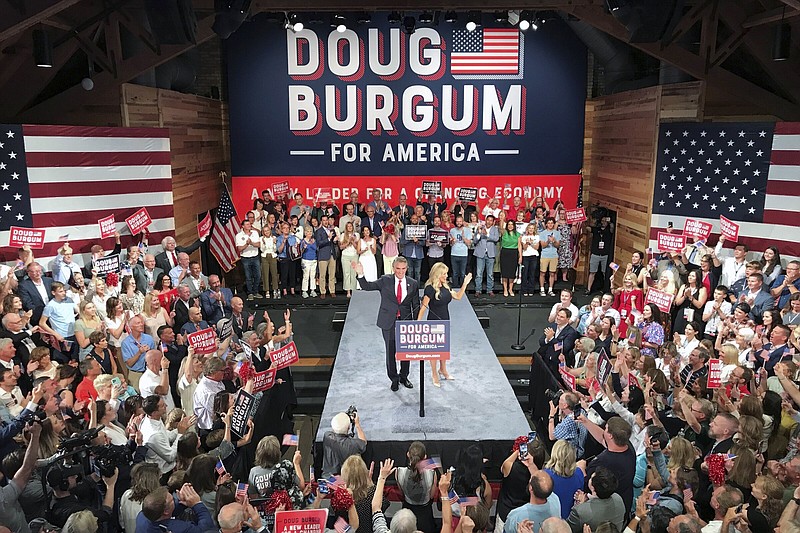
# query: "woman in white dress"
{"type": "Point", "coordinates": [367, 247]}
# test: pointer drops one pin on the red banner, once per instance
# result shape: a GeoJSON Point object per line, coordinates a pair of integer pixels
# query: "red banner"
{"type": "Point", "coordinates": [569, 379]}
{"type": "Point", "coordinates": [204, 227]}
{"type": "Point", "coordinates": [264, 380]}
{"type": "Point", "coordinates": [633, 380]}
{"type": "Point", "coordinates": [280, 189]}
{"type": "Point", "coordinates": [671, 242]}
{"type": "Point", "coordinates": [305, 521]}
{"type": "Point", "coordinates": [204, 341]}
{"type": "Point", "coordinates": [108, 226]}
{"type": "Point", "coordinates": [662, 300]}
{"type": "Point", "coordinates": [323, 194]}
{"type": "Point", "coordinates": [284, 356]}
{"type": "Point", "coordinates": [138, 221]}
{"type": "Point", "coordinates": [576, 215]}
{"type": "Point", "coordinates": [697, 229]}
{"type": "Point", "coordinates": [714, 374]}
{"type": "Point", "coordinates": [19, 237]}
{"type": "Point", "coordinates": [728, 228]}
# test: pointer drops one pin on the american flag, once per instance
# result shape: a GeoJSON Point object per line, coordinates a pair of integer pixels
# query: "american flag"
{"type": "Point", "coordinates": [469, 500]}
{"type": "Point", "coordinates": [220, 468]}
{"type": "Point", "coordinates": [748, 172]}
{"type": "Point", "coordinates": [431, 463]}
{"type": "Point", "coordinates": [452, 496]}
{"type": "Point", "coordinates": [488, 51]}
{"type": "Point", "coordinates": [226, 226]}
{"type": "Point", "coordinates": [291, 440]}
{"type": "Point", "coordinates": [241, 490]}
{"type": "Point", "coordinates": [341, 525]}
{"type": "Point", "coordinates": [65, 178]}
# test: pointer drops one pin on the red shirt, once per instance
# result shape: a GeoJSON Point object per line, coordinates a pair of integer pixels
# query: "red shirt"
{"type": "Point", "coordinates": [85, 391]}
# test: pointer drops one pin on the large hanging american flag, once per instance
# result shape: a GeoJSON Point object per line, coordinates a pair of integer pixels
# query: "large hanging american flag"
{"type": "Point", "coordinates": [65, 178]}
{"type": "Point", "coordinates": [748, 172]}
{"type": "Point", "coordinates": [226, 225]}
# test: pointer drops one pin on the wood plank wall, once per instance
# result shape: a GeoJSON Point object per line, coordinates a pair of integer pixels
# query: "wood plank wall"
{"type": "Point", "coordinates": [619, 155]}
{"type": "Point", "coordinates": [199, 142]}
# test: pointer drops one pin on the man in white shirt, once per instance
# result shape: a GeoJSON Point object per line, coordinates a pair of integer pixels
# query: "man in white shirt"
{"type": "Point", "coordinates": [155, 379]}
{"type": "Point", "coordinates": [732, 267]}
{"type": "Point", "coordinates": [63, 267]}
{"type": "Point", "coordinates": [723, 498]}
{"type": "Point", "coordinates": [607, 311]}
{"type": "Point", "coordinates": [210, 384]}
{"type": "Point", "coordinates": [247, 243]}
{"type": "Point", "coordinates": [162, 444]}
{"type": "Point", "coordinates": [181, 270]}
{"type": "Point", "coordinates": [11, 398]}
{"type": "Point", "coordinates": [195, 280]}
{"type": "Point", "coordinates": [565, 303]}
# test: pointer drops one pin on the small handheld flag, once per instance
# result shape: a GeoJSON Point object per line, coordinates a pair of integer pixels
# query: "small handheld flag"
{"type": "Point", "coordinates": [241, 490]}
{"type": "Point", "coordinates": [559, 346]}
{"type": "Point", "coordinates": [469, 500]}
{"type": "Point", "coordinates": [452, 496]}
{"type": "Point", "coordinates": [291, 440]}
{"type": "Point", "coordinates": [341, 526]}
{"type": "Point", "coordinates": [220, 468]}
{"type": "Point", "coordinates": [613, 266]}
{"type": "Point", "coordinates": [431, 463]}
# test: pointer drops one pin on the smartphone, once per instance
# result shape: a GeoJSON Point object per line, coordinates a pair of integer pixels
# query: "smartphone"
{"type": "Point", "coordinates": [669, 224]}
{"type": "Point", "coordinates": [323, 486]}
{"type": "Point", "coordinates": [531, 436]}
{"type": "Point", "coordinates": [523, 451]}
{"type": "Point", "coordinates": [116, 382]}
{"type": "Point", "coordinates": [654, 496]}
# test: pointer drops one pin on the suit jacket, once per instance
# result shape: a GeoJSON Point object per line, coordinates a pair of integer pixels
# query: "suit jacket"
{"type": "Point", "coordinates": [212, 311]}
{"type": "Point", "coordinates": [188, 282]}
{"type": "Point", "coordinates": [567, 336]}
{"type": "Point", "coordinates": [238, 328]}
{"type": "Point", "coordinates": [87, 270]}
{"type": "Point", "coordinates": [162, 261]}
{"type": "Point", "coordinates": [387, 313]}
{"type": "Point", "coordinates": [324, 244]}
{"type": "Point", "coordinates": [776, 355]}
{"type": "Point", "coordinates": [376, 224]}
{"type": "Point", "coordinates": [486, 245]}
{"type": "Point", "coordinates": [140, 275]}
{"type": "Point", "coordinates": [181, 314]}
{"type": "Point", "coordinates": [32, 300]}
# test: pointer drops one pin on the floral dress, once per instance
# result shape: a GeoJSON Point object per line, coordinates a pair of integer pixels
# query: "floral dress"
{"type": "Point", "coordinates": [565, 248]}
{"type": "Point", "coordinates": [652, 332]}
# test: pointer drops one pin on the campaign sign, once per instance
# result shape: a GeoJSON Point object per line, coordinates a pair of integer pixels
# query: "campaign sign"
{"type": "Point", "coordinates": [432, 187]}
{"type": "Point", "coordinates": [568, 379]}
{"type": "Point", "coordinates": [661, 299]}
{"type": "Point", "coordinates": [242, 406]}
{"type": "Point", "coordinates": [104, 265]}
{"type": "Point", "coordinates": [324, 195]}
{"type": "Point", "coordinates": [203, 341]}
{"type": "Point", "coordinates": [280, 189]}
{"type": "Point", "coordinates": [416, 231]}
{"type": "Point", "coordinates": [226, 330]}
{"type": "Point", "coordinates": [422, 340]}
{"type": "Point", "coordinates": [19, 237]}
{"type": "Point", "coordinates": [204, 227]}
{"type": "Point", "coordinates": [284, 356]}
{"type": "Point", "coordinates": [467, 194]}
{"type": "Point", "coordinates": [439, 236]}
{"type": "Point", "coordinates": [575, 215]}
{"type": "Point", "coordinates": [603, 367]}
{"type": "Point", "coordinates": [728, 228]}
{"type": "Point", "coordinates": [138, 221]}
{"type": "Point", "coordinates": [671, 242]}
{"type": "Point", "coordinates": [714, 374]}
{"type": "Point", "coordinates": [633, 380]}
{"type": "Point", "coordinates": [264, 380]}
{"type": "Point", "coordinates": [697, 229]}
{"type": "Point", "coordinates": [108, 226]}
{"type": "Point", "coordinates": [305, 521]}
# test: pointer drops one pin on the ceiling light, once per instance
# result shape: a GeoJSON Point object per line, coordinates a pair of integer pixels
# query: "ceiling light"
{"type": "Point", "coordinates": [363, 18]}
{"type": "Point", "coordinates": [42, 49]}
{"type": "Point", "coordinates": [613, 5]}
{"type": "Point", "coordinates": [426, 17]}
{"type": "Point", "coordinates": [394, 17]}
{"type": "Point", "coordinates": [450, 17]}
{"type": "Point", "coordinates": [501, 17]}
{"type": "Point", "coordinates": [782, 44]}
{"type": "Point", "coordinates": [409, 25]}
{"type": "Point", "coordinates": [295, 22]}
{"type": "Point", "coordinates": [473, 20]}
{"type": "Point", "coordinates": [525, 19]}
{"type": "Point", "coordinates": [338, 21]}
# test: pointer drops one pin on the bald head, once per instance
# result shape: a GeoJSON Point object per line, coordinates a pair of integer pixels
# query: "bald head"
{"type": "Point", "coordinates": [149, 261]}
{"type": "Point", "coordinates": [230, 517]}
{"type": "Point", "coordinates": [555, 525]}
{"type": "Point", "coordinates": [153, 360]}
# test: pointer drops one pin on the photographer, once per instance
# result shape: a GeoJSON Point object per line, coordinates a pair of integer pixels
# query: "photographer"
{"type": "Point", "coordinates": [11, 513]}
{"type": "Point", "coordinates": [338, 445]}
{"type": "Point", "coordinates": [568, 407]}
{"type": "Point", "coordinates": [63, 479]}
{"type": "Point", "coordinates": [602, 239]}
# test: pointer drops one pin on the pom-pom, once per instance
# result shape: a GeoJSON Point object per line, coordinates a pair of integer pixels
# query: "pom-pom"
{"type": "Point", "coordinates": [112, 279]}
{"type": "Point", "coordinates": [522, 439]}
{"type": "Point", "coordinates": [279, 498]}
{"type": "Point", "coordinates": [341, 500]}
{"type": "Point", "coordinates": [389, 228]}
{"type": "Point", "coordinates": [716, 468]}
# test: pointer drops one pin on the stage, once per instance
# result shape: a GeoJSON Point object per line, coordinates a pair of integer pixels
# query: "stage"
{"type": "Point", "coordinates": [478, 406]}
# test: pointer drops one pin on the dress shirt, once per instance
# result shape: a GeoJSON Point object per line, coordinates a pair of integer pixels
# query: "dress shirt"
{"type": "Point", "coordinates": [147, 386]}
{"type": "Point", "coordinates": [42, 290]}
{"type": "Point", "coordinates": [130, 348]}
{"type": "Point", "coordinates": [403, 287]}
{"type": "Point", "coordinates": [203, 398]}
{"type": "Point", "coordinates": [162, 444]}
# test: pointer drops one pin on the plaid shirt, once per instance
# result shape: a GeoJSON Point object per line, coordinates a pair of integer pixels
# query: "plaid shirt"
{"type": "Point", "coordinates": [571, 431]}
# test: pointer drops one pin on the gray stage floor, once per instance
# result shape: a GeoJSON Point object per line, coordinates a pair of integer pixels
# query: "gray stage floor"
{"type": "Point", "coordinates": [479, 405]}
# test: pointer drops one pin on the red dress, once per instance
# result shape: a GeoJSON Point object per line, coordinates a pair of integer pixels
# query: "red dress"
{"type": "Point", "coordinates": [623, 302]}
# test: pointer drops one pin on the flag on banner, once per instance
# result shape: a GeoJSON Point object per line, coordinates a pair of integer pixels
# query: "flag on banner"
{"type": "Point", "coordinates": [65, 178]}
{"type": "Point", "coordinates": [431, 463]}
{"type": "Point", "coordinates": [241, 490]}
{"type": "Point", "coordinates": [226, 226]}
{"type": "Point", "coordinates": [220, 468]}
{"type": "Point", "coordinates": [341, 525]}
{"type": "Point", "coordinates": [486, 51]}
{"type": "Point", "coordinates": [746, 172]}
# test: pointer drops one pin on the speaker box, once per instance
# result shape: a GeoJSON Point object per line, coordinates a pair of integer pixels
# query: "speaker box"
{"type": "Point", "coordinates": [172, 21]}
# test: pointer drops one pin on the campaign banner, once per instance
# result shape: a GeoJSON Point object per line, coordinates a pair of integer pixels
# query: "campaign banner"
{"type": "Point", "coordinates": [19, 237]}
{"type": "Point", "coordinates": [467, 194]}
{"type": "Point", "coordinates": [714, 374]}
{"type": "Point", "coordinates": [416, 231]}
{"type": "Point", "coordinates": [264, 380]}
{"type": "Point", "coordinates": [204, 227]}
{"type": "Point", "coordinates": [284, 356]}
{"type": "Point", "coordinates": [661, 299]}
{"type": "Point", "coordinates": [697, 229]}
{"type": "Point", "coordinates": [439, 236]}
{"type": "Point", "coordinates": [575, 215]}
{"type": "Point", "coordinates": [138, 221]}
{"type": "Point", "coordinates": [104, 265]}
{"type": "Point", "coordinates": [603, 368]}
{"type": "Point", "coordinates": [568, 379]}
{"type": "Point", "coordinates": [108, 226]}
{"type": "Point", "coordinates": [671, 242]}
{"type": "Point", "coordinates": [280, 189]}
{"type": "Point", "coordinates": [728, 228]}
{"type": "Point", "coordinates": [204, 341]}
{"type": "Point", "coordinates": [432, 187]}
{"type": "Point", "coordinates": [304, 521]}
{"type": "Point", "coordinates": [633, 381]}
{"type": "Point", "coordinates": [226, 330]}
{"type": "Point", "coordinates": [323, 195]}
{"type": "Point", "coordinates": [242, 407]}
{"type": "Point", "coordinates": [422, 340]}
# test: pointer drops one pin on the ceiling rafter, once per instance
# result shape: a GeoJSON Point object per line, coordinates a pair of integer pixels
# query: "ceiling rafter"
{"type": "Point", "coordinates": [689, 20]}
{"type": "Point", "coordinates": [35, 12]}
{"type": "Point", "coordinates": [770, 17]}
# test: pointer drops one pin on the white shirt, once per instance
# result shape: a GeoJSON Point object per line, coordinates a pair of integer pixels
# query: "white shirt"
{"type": "Point", "coordinates": [203, 400]}
{"type": "Point", "coordinates": [147, 386]}
{"type": "Point", "coordinates": [713, 527]}
{"type": "Point", "coordinates": [573, 318]}
{"type": "Point", "coordinates": [241, 239]}
{"type": "Point", "coordinates": [42, 290]}
{"type": "Point", "coordinates": [403, 288]}
{"type": "Point", "coordinates": [731, 270]}
{"type": "Point", "coordinates": [162, 445]}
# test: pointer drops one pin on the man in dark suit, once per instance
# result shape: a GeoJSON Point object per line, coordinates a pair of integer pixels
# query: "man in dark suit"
{"type": "Point", "coordinates": [559, 337]}
{"type": "Point", "coordinates": [181, 307]}
{"type": "Point", "coordinates": [775, 351]}
{"type": "Point", "coordinates": [215, 301]}
{"type": "Point", "coordinates": [242, 320]}
{"type": "Point", "coordinates": [168, 259]}
{"type": "Point", "coordinates": [175, 350]}
{"type": "Point", "coordinates": [35, 291]}
{"type": "Point", "coordinates": [147, 275]}
{"type": "Point", "coordinates": [372, 221]}
{"type": "Point", "coordinates": [399, 300]}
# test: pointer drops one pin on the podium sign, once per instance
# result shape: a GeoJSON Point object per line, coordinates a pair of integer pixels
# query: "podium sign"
{"type": "Point", "coordinates": [422, 340]}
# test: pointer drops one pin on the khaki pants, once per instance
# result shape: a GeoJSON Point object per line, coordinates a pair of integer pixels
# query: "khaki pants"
{"type": "Point", "coordinates": [327, 269]}
{"type": "Point", "coordinates": [269, 273]}
{"type": "Point", "coordinates": [133, 378]}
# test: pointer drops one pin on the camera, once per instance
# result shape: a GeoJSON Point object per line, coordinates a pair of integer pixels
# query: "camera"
{"type": "Point", "coordinates": [352, 412]}
{"type": "Point", "coordinates": [109, 457]}
{"type": "Point", "coordinates": [553, 395]}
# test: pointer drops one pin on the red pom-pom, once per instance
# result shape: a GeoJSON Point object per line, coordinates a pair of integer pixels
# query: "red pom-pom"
{"type": "Point", "coordinates": [112, 279]}
{"type": "Point", "coordinates": [716, 468]}
{"type": "Point", "coordinates": [279, 498]}
{"type": "Point", "coordinates": [522, 439]}
{"type": "Point", "coordinates": [341, 500]}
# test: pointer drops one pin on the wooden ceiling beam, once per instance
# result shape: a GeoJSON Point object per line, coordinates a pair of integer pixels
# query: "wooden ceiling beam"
{"type": "Point", "coordinates": [688, 21]}
{"type": "Point", "coordinates": [792, 3]}
{"type": "Point", "coordinates": [35, 12]}
{"type": "Point", "coordinates": [259, 6]}
{"type": "Point", "coordinates": [770, 17]}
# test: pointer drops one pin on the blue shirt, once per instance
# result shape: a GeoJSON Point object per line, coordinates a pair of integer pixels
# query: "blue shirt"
{"type": "Point", "coordinates": [565, 488]}
{"type": "Point", "coordinates": [549, 249]}
{"type": "Point", "coordinates": [569, 430]}
{"type": "Point", "coordinates": [309, 250]}
{"type": "Point", "coordinates": [535, 513]}
{"type": "Point", "coordinates": [130, 349]}
{"type": "Point", "coordinates": [459, 247]}
{"type": "Point", "coordinates": [291, 241]}
{"type": "Point", "coordinates": [62, 316]}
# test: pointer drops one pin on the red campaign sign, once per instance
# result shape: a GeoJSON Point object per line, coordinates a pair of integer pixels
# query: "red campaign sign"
{"type": "Point", "coordinates": [305, 521]}
{"type": "Point", "coordinates": [138, 221]}
{"type": "Point", "coordinates": [671, 242]}
{"type": "Point", "coordinates": [280, 189]}
{"type": "Point", "coordinates": [264, 380]}
{"type": "Point", "coordinates": [204, 341]}
{"type": "Point", "coordinates": [661, 299]}
{"type": "Point", "coordinates": [728, 228]}
{"type": "Point", "coordinates": [575, 215]}
{"type": "Point", "coordinates": [204, 227]}
{"type": "Point", "coordinates": [19, 237]}
{"type": "Point", "coordinates": [697, 229]}
{"type": "Point", "coordinates": [323, 194]}
{"type": "Point", "coordinates": [568, 378]}
{"type": "Point", "coordinates": [633, 380]}
{"type": "Point", "coordinates": [108, 226]}
{"type": "Point", "coordinates": [714, 374]}
{"type": "Point", "coordinates": [284, 356]}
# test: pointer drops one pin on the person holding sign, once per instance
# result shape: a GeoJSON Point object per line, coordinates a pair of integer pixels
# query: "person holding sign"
{"type": "Point", "coordinates": [437, 301]}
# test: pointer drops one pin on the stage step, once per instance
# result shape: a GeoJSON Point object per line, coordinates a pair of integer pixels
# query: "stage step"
{"type": "Point", "coordinates": [339, 318]}
{"type": "Point", "coordinates": [483, 318]}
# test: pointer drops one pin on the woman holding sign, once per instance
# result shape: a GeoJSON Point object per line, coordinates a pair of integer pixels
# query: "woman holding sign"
{"type": "Point", "coordinates": [436, 301]}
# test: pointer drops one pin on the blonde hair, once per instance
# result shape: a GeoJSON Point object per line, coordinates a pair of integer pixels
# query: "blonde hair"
{"type": "Point", "coordinates": [562, 459]}
{"type": "Point", "coordinates": [173, 417]}
{"type": "Point", "coordinates": [356, 476]}
{"type": "Point", "coordinates": [435, 276]}
{"type": "Point", "coordinates": [670, 288]}
{"type": "Point", "coordinates": [730, 355]}
{"type": "Point", "coordinates": [634, 279]}
{"type": "Point", "coordinates": [681, 453]}
{"type": "Point", "coordinates": [268, 452]}
{"type": "Point", "coordinates": [82, 311]}
{"type": "Point", "coordinates": [148, 304]}
{"type": "Point", "coordinates": [102, 380]}
{"type": "Point", "coordinates": [81, 522]}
